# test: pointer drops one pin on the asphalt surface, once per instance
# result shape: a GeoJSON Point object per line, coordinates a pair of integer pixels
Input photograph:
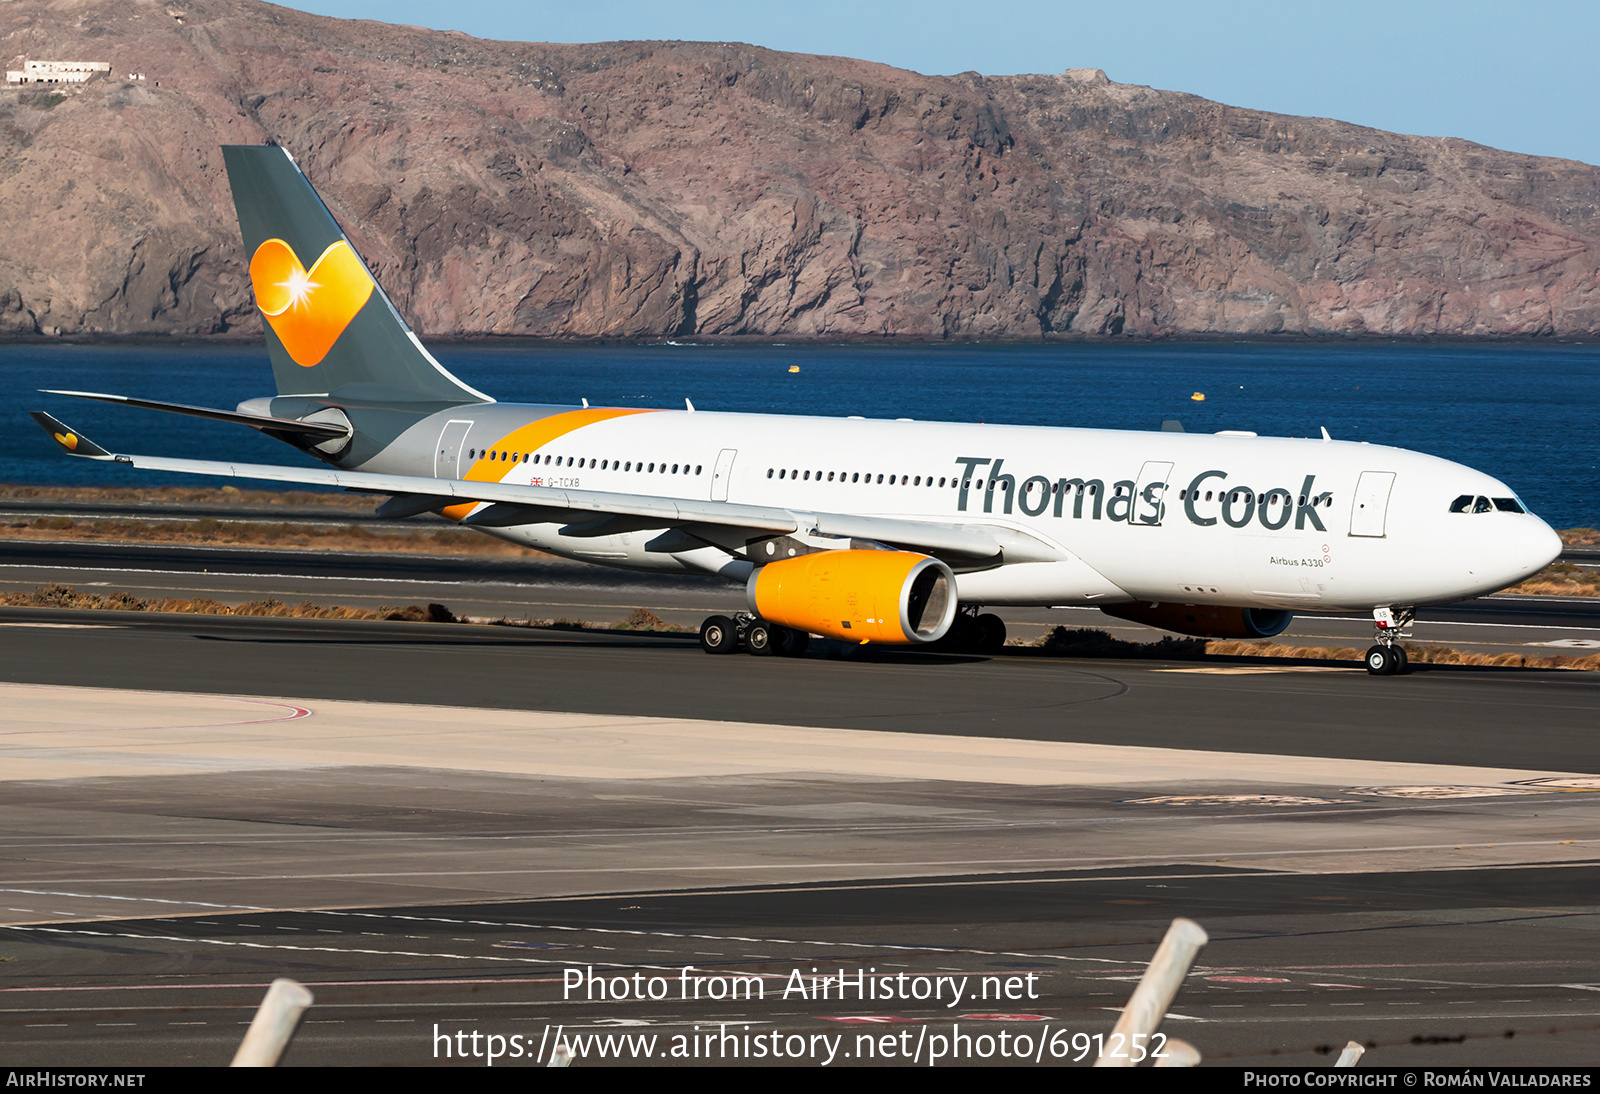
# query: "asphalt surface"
{"type": "Point", "coordinates": [1490, 717]}
{"type": "Point", "coordinates": [1445, 968]}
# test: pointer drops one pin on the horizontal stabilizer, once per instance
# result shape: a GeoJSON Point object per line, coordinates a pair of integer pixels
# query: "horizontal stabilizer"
{"type": "Point", "coordinates": [321, 430]}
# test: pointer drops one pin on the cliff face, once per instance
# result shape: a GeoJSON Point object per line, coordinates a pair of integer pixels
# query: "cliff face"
{"type": "Point", "coordinates": [647, 189]}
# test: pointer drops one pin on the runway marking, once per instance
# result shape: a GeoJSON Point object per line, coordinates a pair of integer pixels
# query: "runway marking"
{"type": "Point", "coordinates": [139, 899]}
{"type": "Point", "coordinates": [81, 626]}
{"type": "Point", "coordinates": [735, 938]}
{"type": "Point", "coordinates": [296, 712]}
{"type": "Point", "coordinates": [284, 946]}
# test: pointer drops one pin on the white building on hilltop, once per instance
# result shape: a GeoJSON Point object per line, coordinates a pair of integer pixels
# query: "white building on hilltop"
{"type": "Point", "coordinates": [55, 72]}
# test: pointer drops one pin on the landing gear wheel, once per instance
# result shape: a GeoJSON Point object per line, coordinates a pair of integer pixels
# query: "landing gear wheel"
{"type": "Point", "coordinates": [718, 635]}
{"type": "Point", "coordinates": [1404, 665]}
{"type": "Point", "coordinates": [1383, 661]}
{"type": "Point", "coordinates": [759, 639]}
{"type": "Point", "coordinates": [962, 636]}
{"type": "Point", "coordinates": [793, 642]}
{"type": "Point", "coordinates": [991, 633]}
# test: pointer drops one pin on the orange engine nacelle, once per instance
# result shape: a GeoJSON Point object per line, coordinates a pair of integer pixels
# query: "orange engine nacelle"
{"type": "Point", "coordinates": [1205, 620]}
{"type": "Point", "coordinates": [860, 596]}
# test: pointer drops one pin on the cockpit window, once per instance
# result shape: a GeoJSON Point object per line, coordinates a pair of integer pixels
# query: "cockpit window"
{"type": "Point", "coordinates": [1481, 505]}
{"type": "Point", "coordinates": [1509, 505]}
{"type": "Point", "coordinates": [1463, 504]}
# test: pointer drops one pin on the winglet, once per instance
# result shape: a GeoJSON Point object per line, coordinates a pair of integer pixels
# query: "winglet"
{"type": "Point", "coordinates": [1325, 434]}
{"type": "Point", "coordinates": [74, 443]}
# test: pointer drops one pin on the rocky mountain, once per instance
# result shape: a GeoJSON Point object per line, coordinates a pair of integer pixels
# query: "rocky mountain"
{"type": "Point", "coordinates": [637, 189]}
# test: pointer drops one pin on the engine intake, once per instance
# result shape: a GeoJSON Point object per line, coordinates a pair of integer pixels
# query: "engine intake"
{"type": "Point", "coordinates": [1205, 620]}
{"type": "Point", "coordinates": [861, 596]}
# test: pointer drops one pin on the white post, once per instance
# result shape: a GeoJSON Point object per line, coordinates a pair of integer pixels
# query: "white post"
{"type": "Point", "coordinates": [1352, 1052]}
{"type": "Point", "coordinates": [1150, 1000]}
{"type": "Point", "coordinates": [560, 1057]}
{"type": "Point", "coordinates": [1176, 1053]}
{"type": "Point", "coordinates": [273, 1025]}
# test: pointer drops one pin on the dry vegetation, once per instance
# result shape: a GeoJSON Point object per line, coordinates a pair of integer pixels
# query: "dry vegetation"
{"type": "Point", "coordinates": [187, 495]}
{"type": "Point", "coordinates": [1561, 579]}
{"type": "Point", "coordinates": [65, 596]}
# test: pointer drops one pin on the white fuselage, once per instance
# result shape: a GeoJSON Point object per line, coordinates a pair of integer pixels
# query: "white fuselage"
{"type": "Point", "coordinates": [1087, 516]}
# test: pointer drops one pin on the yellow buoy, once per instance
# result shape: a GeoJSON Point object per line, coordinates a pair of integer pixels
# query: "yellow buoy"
{"type": "Point", "coordinates": [794, 368]}
{"type": "Point", "coordinates": [1198, 397]}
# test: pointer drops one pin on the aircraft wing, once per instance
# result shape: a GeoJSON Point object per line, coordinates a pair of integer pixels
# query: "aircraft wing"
{"type": "Point", "coordinates": [587, 512]}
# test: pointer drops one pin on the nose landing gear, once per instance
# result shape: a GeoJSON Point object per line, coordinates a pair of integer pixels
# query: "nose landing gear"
{"type": "Point", "coordinates": [1388, 657]}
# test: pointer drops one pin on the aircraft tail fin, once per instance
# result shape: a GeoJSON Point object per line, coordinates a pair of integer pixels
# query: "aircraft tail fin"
{"type": "Point", "coordinates": [330, 328]}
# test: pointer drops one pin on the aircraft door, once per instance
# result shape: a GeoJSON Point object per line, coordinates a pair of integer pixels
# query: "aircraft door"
{"type": "Point", "coordinates": [1149, 494]}
{"type": "Point", "coordinates": [1369, 513]}
{"type": "Point", "coordinates": [721, 473]}
{"type": "Point", "coordinates": [447, 462]}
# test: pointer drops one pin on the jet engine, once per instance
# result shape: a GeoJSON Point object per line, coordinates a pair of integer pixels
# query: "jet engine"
{"type": "Point", "coordinates": [861, 596]}
{"type": "Point", "coordinates": [1205, 620]}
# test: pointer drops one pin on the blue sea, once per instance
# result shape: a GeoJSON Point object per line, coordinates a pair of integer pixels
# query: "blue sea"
{"type": "Point", "coordinates": [1525, 413]}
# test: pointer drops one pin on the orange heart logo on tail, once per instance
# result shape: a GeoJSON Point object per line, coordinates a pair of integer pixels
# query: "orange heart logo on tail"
{"type": "Point", "coordinates": [309, 309]}
{"type": "Point", "coordinates": [69, 441]}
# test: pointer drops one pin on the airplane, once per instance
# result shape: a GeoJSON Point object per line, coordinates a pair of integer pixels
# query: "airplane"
{"type": "Point", "coordinates": [866, 531]}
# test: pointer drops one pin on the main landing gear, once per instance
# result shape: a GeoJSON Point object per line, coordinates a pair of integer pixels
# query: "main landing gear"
{"type": "Point", "coordinates": [724, 634]}
{"type": "Point", "coordinates": [1388, 656]}
{"type": "Point", "coordinates": [972, 632]}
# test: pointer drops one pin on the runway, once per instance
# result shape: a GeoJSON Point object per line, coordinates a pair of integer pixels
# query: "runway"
{"type": "Point", "coordinates": [430, 824]}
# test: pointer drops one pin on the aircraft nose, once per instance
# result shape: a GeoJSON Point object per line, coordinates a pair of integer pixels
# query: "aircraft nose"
{"type": "Point", "coordinates": [1529, 547]}
{"type": "Point", "coordinates": [1543, 544]}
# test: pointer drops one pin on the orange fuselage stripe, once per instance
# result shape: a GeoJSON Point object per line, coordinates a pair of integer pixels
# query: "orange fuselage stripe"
{"type": "Point", "coordinates": [530, 438]}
